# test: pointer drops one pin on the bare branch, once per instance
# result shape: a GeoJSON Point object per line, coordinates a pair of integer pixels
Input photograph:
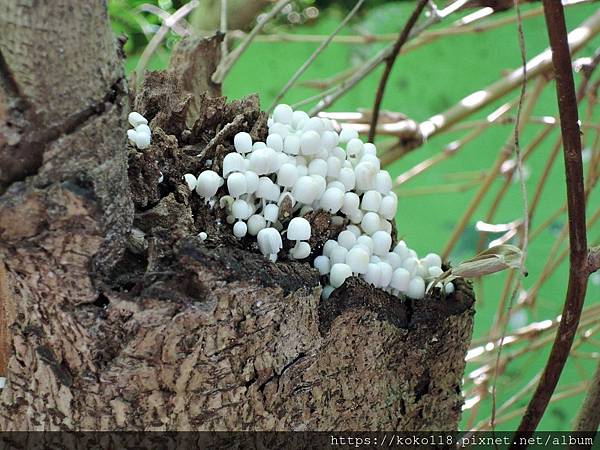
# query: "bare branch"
{"type": "Point", "coordinates": [227, 63]}
{"type": "Point", "coordinates": [316, 53]}
{"type": "Point", "coordinates": [578, 273]}
{"type": "Point", "coordinates": [168, 23]}
{"type": "Point", "coordinates": [389, 63]}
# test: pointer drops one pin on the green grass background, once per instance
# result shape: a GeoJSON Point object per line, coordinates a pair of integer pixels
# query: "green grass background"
{"type": "Point", "coordinates": [423, 83]}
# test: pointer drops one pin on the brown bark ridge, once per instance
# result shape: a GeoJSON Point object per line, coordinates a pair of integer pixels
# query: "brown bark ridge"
{"type": "Point", "coordinates": [120, 318]}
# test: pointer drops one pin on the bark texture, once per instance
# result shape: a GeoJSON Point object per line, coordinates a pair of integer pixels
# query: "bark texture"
{"type": "Point", "coordinates": [119, 317]}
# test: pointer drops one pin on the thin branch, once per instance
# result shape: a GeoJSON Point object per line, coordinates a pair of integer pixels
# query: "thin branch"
{"type": "Point", "coordinates": [578, 273]}
{"type": "Point", "coordinates": [389, 63]}
{"type": "Point", "coordinates": [315, 54]}
{"type": "Point", "coordinates": [223, 28]}
{"type": "Point", "coordinates": [167, 24]}
{"type": "Point", "coordinates": [331, 95]}
{"type": "Point", "coordinates": [227, 63]}
{"type": "Point", "coordinates": [525, 235]}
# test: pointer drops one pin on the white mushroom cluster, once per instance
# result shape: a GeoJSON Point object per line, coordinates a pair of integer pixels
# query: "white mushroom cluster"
{"type": "Point", "coordinates": [307, 162]}
{"type": "Point", "coordinates": [140, 135]}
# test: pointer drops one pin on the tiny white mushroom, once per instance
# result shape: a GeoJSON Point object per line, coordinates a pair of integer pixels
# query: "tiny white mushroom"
{"type": "Point", "coordinates": [237, 185]}
{"type": "Point", "coordinates": [298, 230]}
{"type": "Point", "coordinates": [386, 274]}
{"type": "Point", "coordinates": [291, 144]}
{"type": "Point", "coordinates": [370, 223]}
{"type": "Point", "coordinates": [269, 242]}
{"type": "Point", "coordinates": [242, 142]}
{"type": "Point", "coordinates": [400, 279]}
{"type": "Point", "coordinates": [270, 213]}
{"type": "Point", "coordinates": [300, 251]}
{"type": "Point", "coordinates": [371, 201]}
{"type": "Point", "coordinates": [329, 246]}
{"type": "Point", "coordinates": [283, 114]}
{"type": "Point", "coordinates": [203, 236]}
{"type": "Point", "coordinates": [190, 180]}
{"type": "Point", "coordinates": [332, 200]}
{"type": "Point", "coordinates": [233, 162]}
{"type": "Point", "coordinates": [388, 207]}
{"type": "Point", "coordinates": [310, 142]}
{"type": "Point", "coordinates": [347, 134]}
{"type": "Point", "coordinates": [240, 229]}
{"type": "Point", "coordinates": [416, 288]}
{"type": "Point", "coordinates": [322, 264]}
{"type": "Point", "coordinates": [256, 222]}
{"type": "Point", "coordinates": [346, 239]}
{"type": "Point", "coordinates": [275, 142]}
{"type": "Point", "coordinates": [339, 273]}
{"type": "Point", "coordinates": [338, 255]}
{"type": "Point", "coordinates": [208, 184]}
{"type": "Point", "coordinates": [136, 119]}
{"type": "Point", "coordinates": [358, 259]}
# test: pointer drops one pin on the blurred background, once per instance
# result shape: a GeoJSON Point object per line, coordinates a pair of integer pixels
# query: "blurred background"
{"type": "Point", "coordinates": [462, 54]}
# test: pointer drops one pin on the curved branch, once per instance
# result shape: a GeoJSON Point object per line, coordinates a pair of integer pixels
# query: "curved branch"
{"type": "Point", "coordinates": [389, 63]}
{"type": "Point", "coordinates": [578, 267]}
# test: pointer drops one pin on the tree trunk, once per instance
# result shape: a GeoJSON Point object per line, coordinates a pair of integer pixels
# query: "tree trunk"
{"type": "Point", "coordinates": [115, 315]}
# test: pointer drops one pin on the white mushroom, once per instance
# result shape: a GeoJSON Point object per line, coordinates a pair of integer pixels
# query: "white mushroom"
{"type": "Point", "coordinates": [269, 242]}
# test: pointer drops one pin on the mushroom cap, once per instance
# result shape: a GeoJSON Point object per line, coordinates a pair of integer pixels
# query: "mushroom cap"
{"type": "Point", "coordinates": [358, 259]}
{"type": "Point", "coordinates": [310, 142]}
{"type": "Point", "coordinates": [283, 114]}
{"type": "Point", "coordinates": [388, 207]}
{"type": "Point", "coordinates": [291, 144]}
{"type": "Point", "coordinates": [371, 201]}
{"type": "Point", "coordinates": [242, 142]}
{"type": "Point", "coordinates": [347, 134]}
{"type": "Point", "coordinates": [338, 274]}
{"type": "Point", "coordinates": [301, 250]}
{"type": "Point", "coordinates": [241, 209]}
{"type": "Point", "coordinates": [267, 190]}
{"type": "Point", "coordinates": [354, 147]}
{"type": "Point", "coordinates": [233, 162]}
{"type": "Point", "coordinates": [329, 139]}
{"type": "Point", "coordinates": [373, 274]}
{"type": "Point", "coordinates": [383, 182]}
{"type": "Point", "coordinates": [256, 222]}
{"type": "Point", "coordinates": [348, 177]}
{"type": "Point", "coordinates": [382, 242]}
{"type": "Point", "coordinates": [322, 264]}
{"type": "Point", "coordinates": [251, 181]}
{"type": "Point", "coordinates": [305, 190]}
{"type": "Point", "coordinates": [142, 140]}
{"type": "Point", "coordinates": [298, 119]}
{"type": "Point", "coordinates": [346, 239]}
{"type": "Point", "coordinates": [338, 255]}
{"type": "Point", "coordinates": [287, 175]}
{"type": "Point", "coordinates": [416, 288]}
{"type": "Point", "coordinates": [240, 229]}
{"type": "Point", "coordinates": [386, 274]}
{"type": "Point", "coordinates": [271, 212]}
{"type": "Point", "coordinates": [318, 167]}
{"type": "Point", "coordinates": [334, 165]}
{"type": "Point", "coordinates": [269, 241]}
{"type": "Point", "coordinates": [237, 185]}
{"type": "Point", "coordinates": [365, 173]}
{"type": "Point", "coordinates": [400, 279]}
{"type": "Point", "coordinates": [432, 260]}
{"type": "Point", "coordinates": [332, 200]}
{"type": "Point", "coordinates": [190, 180]}
{"type": "Point", "coordinates": [329, 246]}
{"type": "Point", "coordinates": [208, 183]}
{"type": "Point", "coordinates": [136, 119]}
{"type": "Point", "coordinates": [370, 223]}
{"type": "Point", "coordinates": [298, 229]}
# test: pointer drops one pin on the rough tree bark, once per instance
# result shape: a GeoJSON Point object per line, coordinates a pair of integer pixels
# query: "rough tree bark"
{"type": "Point", "coordinates": [116, 316]}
